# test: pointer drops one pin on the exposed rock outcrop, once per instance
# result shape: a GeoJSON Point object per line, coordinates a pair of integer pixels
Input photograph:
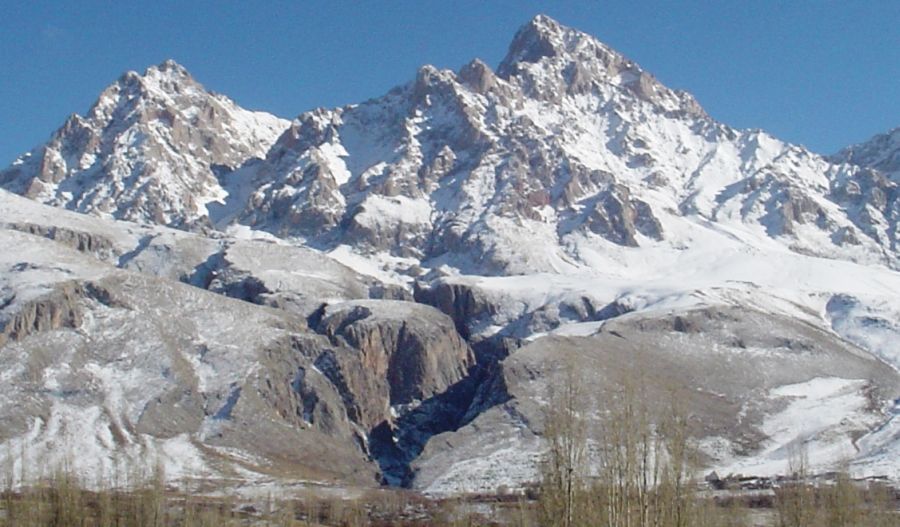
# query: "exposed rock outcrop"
{"type": "Point", "coordinates": [86, 242]}
{"type": "Point", "coordinates": [54, 310]}
{"type": "Point", "coordinates": [405, 353]}
{"type": "Point", "coordinates": [462, 302]}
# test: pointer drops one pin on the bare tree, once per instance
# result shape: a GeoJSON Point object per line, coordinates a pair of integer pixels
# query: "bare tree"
{"type": "Point", "coordinates": [795, 500]}
{"type": "Point", "coordinates": [645, 457]}
{"type": "Point", "coordinates": [842, 502]}
{"type": "Point", "coordinates": [563, 467]}
{"type": "Point", "coordinates": [633, 470]}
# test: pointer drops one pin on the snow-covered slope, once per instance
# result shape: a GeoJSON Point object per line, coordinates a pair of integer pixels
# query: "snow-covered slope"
{"type": "Point", "coordinates": [568, 147]}
{"type": "Point", "coordinates": [107, 368]}
{"type": "Point", "coordinates": [257, 269]}
{"type": "Point", "coordinates": [152, 148]}
{"type": "Point", "coordinates": [755, 386]}
{"type": "Point", "coordinates": [881, 152]}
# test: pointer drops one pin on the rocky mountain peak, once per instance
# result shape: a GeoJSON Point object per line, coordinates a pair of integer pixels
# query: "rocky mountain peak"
{"type": "Point", "coordinates": [429, 77]}
{"type": "Point", "coordinates": [169, 66]}
{"type": "Point", "coordinates": [550, 61]}
{"type": "Point", "coordinates": [162, 90]}
{"type": "Point", "coordinates": [168, 73]}
{"type": "Point", "coordinates": [542, 37]}
{"type": "Point", "coordinates": [544, 40]}
{"type": "Point", "coordinates": [149, 149]}
{"type": "Point", "coordinates": [433, 84]}
{"type": "Point", "coordinates": [882, 152]}
{"type": "Point", "coordinates": [478, 76]}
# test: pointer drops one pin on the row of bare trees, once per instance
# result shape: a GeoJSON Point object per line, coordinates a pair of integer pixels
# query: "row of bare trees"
{"type": "Point", "coordinates": [840, 502]}
{"type": "Point", "coordinates": [624, 458]}
{"type": "Point", "coordinates": [634, 471]}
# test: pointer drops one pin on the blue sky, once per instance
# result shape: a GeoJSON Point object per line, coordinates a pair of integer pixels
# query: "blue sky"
{"type": "Point", "coordinates": [820, 73]}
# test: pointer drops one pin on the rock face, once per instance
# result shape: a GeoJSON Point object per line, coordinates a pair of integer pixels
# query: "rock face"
{"type": "Point", "coordinates": [152, 148]}
{"type": "Point", "coordinates": [406, 353]}
{"type": "Point", "coordinates": [874, 193]}
{"type": "Point", "coordinates": [53, 311]}
{"type": "Point", "coordinates": [97, 245]}
{"type": "Point", "coordinates": [466, 305]}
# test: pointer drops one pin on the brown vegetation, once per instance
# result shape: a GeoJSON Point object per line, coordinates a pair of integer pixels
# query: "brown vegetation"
{"type": "Point", "coordinates": [639, 469]}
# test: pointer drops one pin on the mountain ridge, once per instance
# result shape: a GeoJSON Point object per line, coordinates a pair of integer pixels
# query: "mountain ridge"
{"type": "Point", "coordinates": [564, 75]}
{"type": "Point", "coordinates": [881, 152]}
{"type": "Point", "coordinates": [148, 149]}
{"type": "Point", "coordinates": [563, 129]}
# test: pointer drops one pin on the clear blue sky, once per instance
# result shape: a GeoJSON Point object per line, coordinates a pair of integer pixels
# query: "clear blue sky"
{"type": "Point", "coordinates": [820, 73]}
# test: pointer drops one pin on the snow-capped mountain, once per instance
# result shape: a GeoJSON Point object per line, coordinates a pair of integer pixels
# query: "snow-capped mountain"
{"type": "Point", "coordinates": [881, 152]}
{"type": "Point", "coordinates": [568, 144]}
{"type": "Point", "coordinates": [152, 148]}
{"type": "Point", "coordinates": [566, 205]}
{"type": "Point", "coordinates": [874, 193]}
{"type": "Point", "coordinates": [567, 147]}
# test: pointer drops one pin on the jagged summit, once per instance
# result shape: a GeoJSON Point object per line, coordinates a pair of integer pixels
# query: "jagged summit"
{"type": "Point", "coordinates": [548, 60]}
{"type": "Point", "coordinates": [169, 66]}
{"type": "Point", "coordinates": [164, 89]}
{"type": "Point", "coordinates": [881, 152]}
{"type": "Point", "coordinates": [544, 37]}
{"type": "Point", "coordinates": [541, 37]}
{"type": "Point", "coordinates": [167, 69]}
{"type": "Point", "coordinates": [151, 148]}
{"type": "Point", "coordinates": [167, 74]}
{"type": "Point", "coordinates": [168, 77]}
{"type": "Point", "coordinates": [133, 92]}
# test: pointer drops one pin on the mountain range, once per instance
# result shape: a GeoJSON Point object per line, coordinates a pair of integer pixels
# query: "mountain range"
{"type": "Point", "coordinates": [403, 279]}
